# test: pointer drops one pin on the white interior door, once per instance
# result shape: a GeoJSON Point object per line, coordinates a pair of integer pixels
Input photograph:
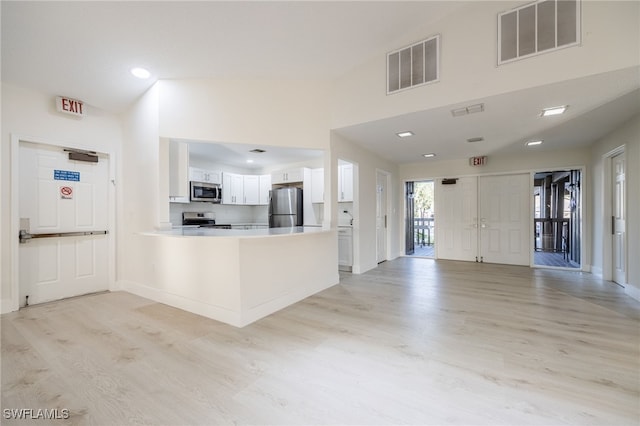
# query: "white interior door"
{"type": "Point", "coordinates": [457, 219]}
{"type": "Point", "coordinates": [619, 220]}
{"type": "Point", "coordinates": [381, 216]}
{"type": "Point", "coordinates": [58, 195]}
{"type": "Point", "coordinates": [504, 203]}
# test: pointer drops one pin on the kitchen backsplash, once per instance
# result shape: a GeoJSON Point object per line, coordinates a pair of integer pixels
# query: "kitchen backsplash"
{"type": "Point", "coordinates": [344, 219]}
{"type": "Point", "coordinates": [223, 213]}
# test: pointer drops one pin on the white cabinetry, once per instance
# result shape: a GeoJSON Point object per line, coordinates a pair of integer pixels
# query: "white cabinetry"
{"type": "Point", "coordinates": [288, 176]}
{"type": "Point", "coordinates": [178, 172]}
{"type": "Point", "coordinates": [345, 248]}
{"type": "Point", "coordinates": [208, 176]}
{"type": "Point", "coordinates": [317, 185]}
{"type": "Point", "coordinates": [232, 188]}
{"type": "Point", "coordinates": [345, 182]}
{"type": "Point", "coordinates": [265, 187]}
{"type": "Point", "coordinates": [251, 185]}
{"type": "Point", "coordinates": [245, 189]}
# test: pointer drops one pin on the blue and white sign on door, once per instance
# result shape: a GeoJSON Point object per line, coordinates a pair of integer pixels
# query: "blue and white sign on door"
{"type": "Point", "coordinates": [66, 175]}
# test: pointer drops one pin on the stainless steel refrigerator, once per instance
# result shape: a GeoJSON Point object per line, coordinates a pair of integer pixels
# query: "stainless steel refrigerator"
{"type": "Point", "coordinates": [285, 207]}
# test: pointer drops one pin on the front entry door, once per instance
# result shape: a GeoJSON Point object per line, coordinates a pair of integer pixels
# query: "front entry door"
{"type": "Point", "coordinates": [618, 219]}
{"type": "Point", "coordinates": [484, 219]}
{"type": "Point", "coordinates": [66, 197]}
{"type": "Point", "coordinates": [457, 218]}
{"type": "Point", "coordinates": [504, 219]}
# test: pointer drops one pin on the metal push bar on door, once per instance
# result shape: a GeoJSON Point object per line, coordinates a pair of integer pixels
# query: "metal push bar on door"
{"type": "Point", "coordinates": [26, 236]}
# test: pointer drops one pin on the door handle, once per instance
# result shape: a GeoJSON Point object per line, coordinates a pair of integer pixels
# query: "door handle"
{"type": "Point", "coordinates": [25, 236]}
{"type": "Point", "coordinates": [613, 225]}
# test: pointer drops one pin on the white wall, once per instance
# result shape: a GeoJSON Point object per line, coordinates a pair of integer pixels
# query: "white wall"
{"type": "Point", "coordinates": [258, 112]}
{"type": "Point", "coordinates": [366, 166]}
{"type": "Point", "coordinates": [33, 116]}
{"type": "Point", "coordinates": [629, 136]}
{"type": "Point", "coordinates": [141, 209]}
{"type": "Point", "coordinates": [469, 57]}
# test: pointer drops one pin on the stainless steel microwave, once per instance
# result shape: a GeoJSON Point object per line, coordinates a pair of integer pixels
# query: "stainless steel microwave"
{"type": "Point", "coordinates": [204, 191]}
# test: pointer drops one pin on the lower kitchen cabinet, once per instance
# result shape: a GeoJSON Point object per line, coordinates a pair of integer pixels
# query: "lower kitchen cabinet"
{"type": "Point", "coordinates": [345, 249]}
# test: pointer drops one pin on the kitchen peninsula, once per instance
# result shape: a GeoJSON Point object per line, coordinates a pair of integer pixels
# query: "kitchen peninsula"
{"type": "Point", "coordinates": [238, 276]}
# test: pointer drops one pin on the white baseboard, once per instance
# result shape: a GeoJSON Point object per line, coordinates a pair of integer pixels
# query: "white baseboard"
{"type": "Point", "coordinates": [257, 312]}
{"type": "Point", "coordinates": [632, 291]}
{"type": "Point", "coordinates": [597, 271]}
{"type": "Point", "coordinates": [234, 318]}
{"type": "Point", "coordinates": [7, 305]}
{"type": "Point", "coordinates": [206, 310]}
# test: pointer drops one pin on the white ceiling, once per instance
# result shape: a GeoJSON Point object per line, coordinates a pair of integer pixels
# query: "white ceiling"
{"type": "Point", "coordinates": [238, 155]}
{"type": "Point", "coordinates": [85, 49]}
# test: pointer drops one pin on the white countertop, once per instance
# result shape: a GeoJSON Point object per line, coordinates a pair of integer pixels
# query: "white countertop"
{"type": "Point", "coordinates": [216, 232]}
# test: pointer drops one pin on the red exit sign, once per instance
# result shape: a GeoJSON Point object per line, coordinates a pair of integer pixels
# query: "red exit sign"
{"type": "Point", "coordinates": [478, 161]}
{"type": "Point", "coordinates": [70, 106]}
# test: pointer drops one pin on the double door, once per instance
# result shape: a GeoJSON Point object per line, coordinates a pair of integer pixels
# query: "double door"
{"type": "Point", "coordinates": [484, 219]}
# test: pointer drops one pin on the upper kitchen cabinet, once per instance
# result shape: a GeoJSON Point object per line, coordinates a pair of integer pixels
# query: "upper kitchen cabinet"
{"type": "Point", "coordinates": [264, 188]}
{"type": "Point", "coordinates": [251, 190]}
{"type": "Point", "coordinates": [345, 182]}
{"type": "Point", "coordinates": [232, 188]}
{"type": "Point", "coordinates": [178, 172]}
{"type": "Point", "coordinates": [251, 185]}
{"type": "Point", "coordinates": [208, 176]}
{"type": "Point", "coordinates": [287, 176]}
{"type": "Point", "coordinates": [317, 185]}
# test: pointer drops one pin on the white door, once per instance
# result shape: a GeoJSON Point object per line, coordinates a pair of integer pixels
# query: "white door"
{"type": "Point", "coordinates": [619, 219]}
{"type": "Point", "coordinates": [58, 195]}
{"type": "Point", "coordinates": [457, 219]}
{"type": "Point", "coordinates": [381, 216]}
{"type": "Point", "coordinates": [504, 219]}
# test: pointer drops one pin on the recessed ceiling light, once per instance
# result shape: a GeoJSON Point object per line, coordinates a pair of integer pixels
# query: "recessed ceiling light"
{"type": "Point", "coordinates": [534, 143]}
{"type": "Point", "coordinates": [430, 155]}
{"type": "Point", "coordinates": [249, 161]}
{"type": "Point", "coordinates": [405, 134]}
{"type": "Point", "coordinates": [140, 73]}
{"type": "Point", "coordinates": [554, 110]}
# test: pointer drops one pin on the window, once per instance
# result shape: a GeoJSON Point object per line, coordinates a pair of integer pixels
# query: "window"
{"type": "Point", "coordinates": [536, 28]}
{"type": "Point", "coordinates": [413, 65]}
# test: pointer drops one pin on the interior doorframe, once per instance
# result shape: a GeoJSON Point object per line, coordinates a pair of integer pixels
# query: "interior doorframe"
{"type": "Point", "coordinates": [14, 303]}
{"type": "Point", "coordinates": [607, 237]}
{"type": "Point", "coordinates": [584, 266]}
{"type": "Point", "coordinates": [388, 200]}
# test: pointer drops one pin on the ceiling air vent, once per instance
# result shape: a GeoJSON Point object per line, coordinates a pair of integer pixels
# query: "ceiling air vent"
{"type": "Point", "coordinates": [535, 28]}
{"type": "Point", "coordinates": [413, 65]}
{"type": "Point", "coordinates": [471, 109]}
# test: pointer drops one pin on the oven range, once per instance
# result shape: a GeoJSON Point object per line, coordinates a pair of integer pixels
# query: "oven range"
{"type": "Point", "coordinates": [203, 220]}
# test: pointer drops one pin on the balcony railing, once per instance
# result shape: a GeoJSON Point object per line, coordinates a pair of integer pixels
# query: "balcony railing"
{"type": "Point", "coordinates": [551, 235]}
{"type": "Point", "coordinates": [423, 231]}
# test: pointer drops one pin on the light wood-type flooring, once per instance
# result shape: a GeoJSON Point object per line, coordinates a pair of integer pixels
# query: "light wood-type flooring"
{"type": "Point", "coordinates": [414, 341]}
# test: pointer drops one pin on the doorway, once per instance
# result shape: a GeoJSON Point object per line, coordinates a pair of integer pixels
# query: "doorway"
{"type": "Point", "coordinates": [484, 218]}
{"type": "Point", "coordinates": [382, 196]}
{"type": "Point", "coordinates": [63, 203]}
{"type": "Point", "coordinates": [420, 219]}
{"type": "Point", "coordinates": [618, 219]}
{"type": "Point", "coordinates": [557, 216]}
